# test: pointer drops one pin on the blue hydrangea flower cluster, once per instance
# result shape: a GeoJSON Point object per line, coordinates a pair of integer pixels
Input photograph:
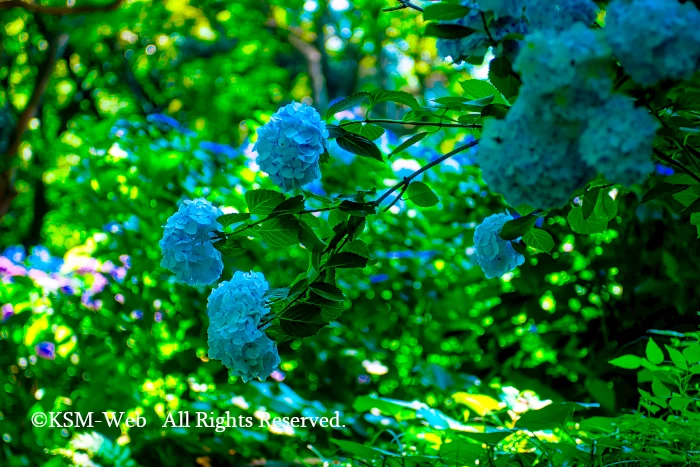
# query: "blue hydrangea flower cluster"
{"type": "Point", "coordinates": [655, 39]}
{"type": "Point", "coordinates": [290, 145]}
{"type": "Point", "coordinates": [495, 255]}
{"type": "Point", "coordinates": [618, 141]}
{"type": "Point", "coordinates": [186, 244]}
{"type": "Point", "coordinates": [502, 8]}
{"type": "Point", "coordinates": [531, 158]}
{"type": "Point", "coordinates": [559, 15]}
{"type": "Point", "coordinates": [236, 309]}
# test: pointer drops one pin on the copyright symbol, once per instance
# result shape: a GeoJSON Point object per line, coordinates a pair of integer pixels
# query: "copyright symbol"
{"type": "Point", "coordinates": [39, 419]}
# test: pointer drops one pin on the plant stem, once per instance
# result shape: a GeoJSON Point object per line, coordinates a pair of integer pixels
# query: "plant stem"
{"type": "Point", "coordinates": [399, 122]}
{"type": "Point", "coordinates": [408, 179]}
{"type": "Point", "coordinates": [404, 4]}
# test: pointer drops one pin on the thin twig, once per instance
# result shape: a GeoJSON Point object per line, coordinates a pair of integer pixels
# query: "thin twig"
{"type": "Point", "coordinates": [660, 155]}
{"type": "Point", "coordinates": [399, 122]}
{"type": "Point", "coordinates": [396, 200]}
{"type": "Point", "coordinates": [408, 179]}
{"type": "Point", "coordinates": [404, 4]}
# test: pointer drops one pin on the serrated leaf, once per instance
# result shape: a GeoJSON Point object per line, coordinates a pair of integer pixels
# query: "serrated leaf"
{"type": "Point", "coordinates": [421, 195]}
{"type": "Point", "coordinates": [589, 200]}
{"type": "Point", "coordinates": [447, 31]}
{"type": "Point", "coordinates": [358, 247]}
{"type": "Point", "coordinates": [328, 291]}
{"type": "Point", "coordinates": [585, 226]}
{"type": "Point", "coordinates": [368, 130]}
{"type": "Point", "coordinates": [277, 293]}
{"type": "Point", "coordinates": [478, 105]}
{"type": "Point", "coordinates": [292, 205]}
{"type": "Point", "coordinates": [229, 246]}
{"type": "Point", "coordinates": [654, 353]}
{"type": "Point", "coordinates": [539, 240]}
{"type": "Point", "coordinates": [234, 218]}
{"type": "Point", "coordinates": [335, 131]}
{"type": "Point", "coordinates": [358, 209]}
{"type": "Point", "coordinates": [606, 207]}
{"type": "Point", "coordinates": [399, 97]}
{"type": "Point", "coordinates": [308, 237]}
{"type": "Point", "coordinates": [628, 362]}
{"type": "Point", "coordinates": [495, 110]}
{"type": "Point", "coordinates": [677, 357]}
{"type": "Point", "coordinates": [337, 217]}
{"type": "Point", "coordinates": [262, 202]}
{"type": "Point", "coordinates": [445, 11]}
{"type": "Point", "coordinates": [408, 143]}
{"type": "Point", "coordinates": [524, 209]}
{"type": "Point", "coordinates": [360, 145]}
{"type": "Point", "coordinates": [516, 228]}
{"type": "Point", "coordinates": [279, 232]}
{"type": "Point", "coordinates": [503, 78]}
{"type": "Point", "coordinates": [692, 207]}
{"type": "Point", "coordinates": [663, 190]}
{"type": "Point", "coordinates": [346, 260]}
{"type": "Point", "coordinates": [348, 103]}
{"type": "Point", "coordinates": [301, 320]}
{"type": "Point", "coordinates": [477, 88]}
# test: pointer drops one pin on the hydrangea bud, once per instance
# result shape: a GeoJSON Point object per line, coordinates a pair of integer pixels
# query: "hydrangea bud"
{"type": "Point", "coordinates": [186, 244]}
{"type": "Point", "coordinates": [655, 39]}
{"type": "Point", "coordinates": [236, 309]}
{"type": "Point", "coordinates": [618, 141]}
{"type": "Point", "coordinates": [290, 145]}
{"type": "Point", "coordinates": [559, 15]}
{"type": "Point", "coordinates": [495, 255]}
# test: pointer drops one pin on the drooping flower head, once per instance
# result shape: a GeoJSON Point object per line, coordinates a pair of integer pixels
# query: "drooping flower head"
{"type": "Point", "coordinates": [235, 310]}
{"type": "Point", "coordinates": [654, 39]}
{"type": "Point", "coordinates": [186, 244]}
{"type": "Point", "coordinates": [495, 255]}
{"type": "Point", "coordinates": [290, 145]}
{"type": "Point", "coordinates": [618, 141]}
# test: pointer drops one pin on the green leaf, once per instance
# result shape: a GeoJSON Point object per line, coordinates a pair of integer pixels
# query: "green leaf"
{"type": "Point", "coordinates": [360, 145]}
{"type": "Point", "coordinates": [262, 202]}
{"type": "Point", "coordinates": [478, 104]}
{"type": "Point", "coordinates": [445, 11]}
{"type": "Point", "coordinates": [447, 31]}
{"type": "Point", "coordinates": [476, 89]}
{"type": "Point", "coordinates": [518, 227]}
{"type": "Point", "coordinates": [399, 97]}
{"type": "Point", "coordinates": [495, 110]}
{"type": "Point", "coordinates": [408, 143]}
{"type": "Point", "coordinates": [348, 103]}
{"type": "Point", "coordinates": [325, 157]}
{"type": "Point", "coordinates": [301, 320]}
{"type": "Point", "coordinates": [654, 353]}
{"type": "Point", "coordinates": [519, 247]}
{"type": "Point", "coordinates": [368, 130]}
{"type": "Point", "coordinates": [229, 246]}
{"type": "Point", "coordinates": [606, 207]}
{"type": "Point", "coordinates": [328, 291]}
{"type": "Point", "coordinates": [677, 358]}
{"type": "Point", "coordinates": [548, 417]}
{"type": "Point", "coordinates": [277, 293]}
{"type": "Point", "coordinates": [692, 207]}
{"type": "Point", "coordinates": [659, 389]}
{"type": "Point", "coordinates": [279, 232]}
{"type": "Point", "coordinates": [346, 260]}
{"type": "Point", "coordinates": [359, 247]}
{"type": "Point", "coordinates": [663, 190]}
{"type": "Point", "coordinates": [358, 209]}
{"type": "Point", "coordinates": [524, 209]}
{"type": "Point", "coordinates": [585, 226]}
{"type": "Point", "coordinates": [539, 240]}
{"type": "Point", "coordinates": [308, 237]}
{"type": "Point", "coordinates": [590, 198]}
{"type": "Point", "coordinates": [421, 195]}
{"type": "Point", "coordinates": [628, 362]}
{"type": "Point", "coordinates": [491, 438]}
{"type": "Point", "coordinates": [335, 131]}
{"type": "Point", "coordinates": [337, 217]}
{"type": "Point", "coordinates": [695, 220]}
{"type": "Point", "coordinates": [292, 205]}
{"type": "Point", "coordinates": [503, 78]}
{"type": "Point", "coordinates": [692, 353]}
{"type": "Point", "coordinates": [364, 452]}
{"type": "Point", "coordinates": [234, 218]}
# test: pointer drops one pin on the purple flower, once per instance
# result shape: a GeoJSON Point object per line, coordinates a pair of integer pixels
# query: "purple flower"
{"type": "Point", "coordinates": [7, 311]}
{"type": "Point", "coordinates": [46, 350]}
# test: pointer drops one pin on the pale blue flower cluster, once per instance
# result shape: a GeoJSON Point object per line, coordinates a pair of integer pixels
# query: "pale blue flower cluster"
{"type": "Point", "coordinates": [532, 158]}
{"type": "Point", "coordinates": [617, 141]}
{"type": "Point", "coordinates": [655, 39]}
{"type": "Point", "coordinates": [290, 145]}
{"type": "Point", "coordinates": [186, 244]}
{"type": "Point", "coordinates": [495, 255]}
{"type": "Point", "coordinates": [558, 15]}
{"type": "Point", "coordinates": [236, 309]}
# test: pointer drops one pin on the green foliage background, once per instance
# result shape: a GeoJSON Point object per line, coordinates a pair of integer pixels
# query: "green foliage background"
{"type": "Point", "coordinates": [424, 326]}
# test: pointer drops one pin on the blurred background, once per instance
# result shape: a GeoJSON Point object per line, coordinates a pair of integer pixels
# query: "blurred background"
{"type": "Point", "coordinates": [132, 106]}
